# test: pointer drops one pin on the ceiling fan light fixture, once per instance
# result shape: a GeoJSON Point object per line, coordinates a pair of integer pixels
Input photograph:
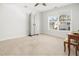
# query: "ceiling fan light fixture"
{"type": "Point", "coordinates": [36, 4]}
{"type": "Point", "coordinates": [44, 4]}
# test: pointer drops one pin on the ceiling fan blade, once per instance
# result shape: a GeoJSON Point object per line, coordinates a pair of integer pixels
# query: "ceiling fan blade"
{"type": "Point", "coordinates": [36, 4]}
{"type": "Point", "coordinates": [44, 4]}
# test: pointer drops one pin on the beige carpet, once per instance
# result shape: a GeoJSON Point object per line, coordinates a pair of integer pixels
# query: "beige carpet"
{"type": "Point", "coordinates": [39, 45]}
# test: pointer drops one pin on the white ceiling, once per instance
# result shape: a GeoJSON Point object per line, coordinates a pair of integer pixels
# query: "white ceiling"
{"type": "Point", "coordinates": [41, 8]}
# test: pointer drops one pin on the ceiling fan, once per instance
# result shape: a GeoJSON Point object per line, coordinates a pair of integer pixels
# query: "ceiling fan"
{"type": "Point", "coordinates": [44, 4]}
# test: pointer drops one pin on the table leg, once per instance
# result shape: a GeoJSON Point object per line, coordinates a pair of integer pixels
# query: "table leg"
{"type": "Point", "coordinates": [68, 47]}
{"type": "Point", "coordinates": [76, 50]}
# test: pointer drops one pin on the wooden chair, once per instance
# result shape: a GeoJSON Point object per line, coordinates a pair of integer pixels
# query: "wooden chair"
{"type": "Point", "coordinates": [73, 43]}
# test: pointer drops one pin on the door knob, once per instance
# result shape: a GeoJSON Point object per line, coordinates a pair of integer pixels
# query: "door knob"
{"type": "Point", "coordinates": [34, 24]}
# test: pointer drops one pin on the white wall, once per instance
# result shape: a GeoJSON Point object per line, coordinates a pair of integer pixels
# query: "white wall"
{"type": "Point", "coordinates": [73, 10]}
{"type": "Point", "coordinates": [13, 21]}
{"type": "Point", "coordinates": [75, 17]}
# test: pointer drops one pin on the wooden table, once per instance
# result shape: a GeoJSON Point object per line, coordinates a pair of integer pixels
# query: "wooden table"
{"type": "Point", "coordinates": [71, 36]}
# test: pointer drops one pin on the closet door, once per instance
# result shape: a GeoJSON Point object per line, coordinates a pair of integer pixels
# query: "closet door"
{"type": "Point", "coordinates": [37, 23]}
{"type": "Point", "coordinates": [34, 24]}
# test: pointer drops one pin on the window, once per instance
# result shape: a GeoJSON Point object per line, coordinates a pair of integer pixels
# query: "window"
{"type": "Point", "coordinates": [52, 22]}
{"type": "Point", "coordinates": [64, 22]}
{"type": "Point", "coordinates": [59, 23]}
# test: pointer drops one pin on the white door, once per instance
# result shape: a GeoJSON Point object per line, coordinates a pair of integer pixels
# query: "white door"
{"type": "Point", "coordinates": [32, 24]}
{"type": "Point", "coordinates": [35, 24]}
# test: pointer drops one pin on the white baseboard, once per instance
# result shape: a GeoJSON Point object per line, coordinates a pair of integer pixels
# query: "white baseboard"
{"type": "Point", "coordinates": [12, 37]}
